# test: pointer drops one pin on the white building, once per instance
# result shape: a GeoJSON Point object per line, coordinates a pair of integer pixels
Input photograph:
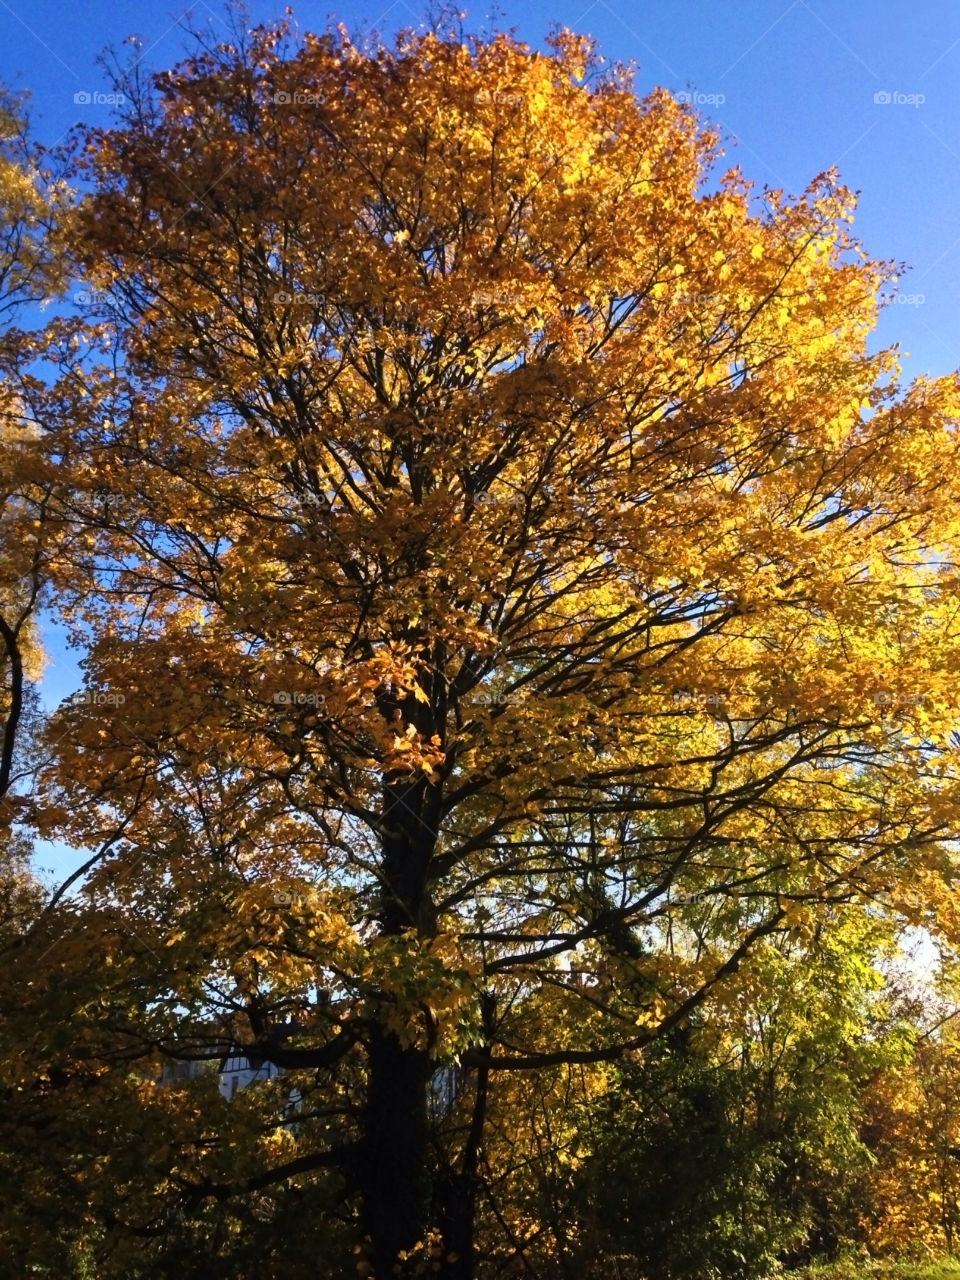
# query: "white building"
{"type": "Point", "coordinates": [235, 1070]}
{"type": "Point", "coordinates": [238, 1071]}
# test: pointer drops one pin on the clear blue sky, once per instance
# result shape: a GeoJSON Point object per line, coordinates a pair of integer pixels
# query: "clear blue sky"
{"type": "Point", "coordinates": [791, 83]}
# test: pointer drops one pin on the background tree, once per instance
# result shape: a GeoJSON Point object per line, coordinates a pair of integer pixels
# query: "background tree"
{"type": "Point", "coordinates": [31, 275]}
{"type": "Point", "coordinates": [730, 1147]}
{"type": "Point", "coordinates": [30, 202]}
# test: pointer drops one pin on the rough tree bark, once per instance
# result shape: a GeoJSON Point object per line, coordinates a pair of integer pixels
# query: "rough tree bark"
{"type": "Point", "coordinates": [396, 1174]}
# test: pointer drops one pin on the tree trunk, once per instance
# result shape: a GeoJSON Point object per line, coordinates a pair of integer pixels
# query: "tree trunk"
{"type": "Point", "coordinates": [396, 1173]}
{"type": "Point", "coordinates": [457, 1199]}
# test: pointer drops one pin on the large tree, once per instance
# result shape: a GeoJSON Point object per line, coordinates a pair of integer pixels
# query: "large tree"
{"type": "Point", "coordinates": [513, 590]}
